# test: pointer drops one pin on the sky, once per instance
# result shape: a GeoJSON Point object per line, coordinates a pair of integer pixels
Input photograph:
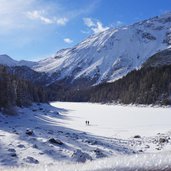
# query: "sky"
{"type": "Point", "coordinates": [36, 29]}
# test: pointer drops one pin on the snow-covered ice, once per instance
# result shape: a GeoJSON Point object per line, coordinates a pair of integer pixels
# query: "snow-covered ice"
{"type": "Point", "coordinates": [56, 137]}
{"type": "Point", "coordinates": [116, 120]}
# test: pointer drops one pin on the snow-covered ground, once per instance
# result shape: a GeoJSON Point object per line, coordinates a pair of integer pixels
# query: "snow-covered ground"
{"type": "Point", "coordinates": [116, 120]}
{"type": "Point", "coordinates": [57, 138]}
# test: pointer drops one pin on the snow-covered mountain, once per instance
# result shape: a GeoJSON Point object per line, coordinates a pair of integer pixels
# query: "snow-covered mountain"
{"type": "Point", "coordinates": [7, 60]}
{"type": "Point", "coordinates": [111, 54]}
{"type": "Point", "coordinates": [163, 58]}
{"type": "Point", "coordinates": [106, 56]}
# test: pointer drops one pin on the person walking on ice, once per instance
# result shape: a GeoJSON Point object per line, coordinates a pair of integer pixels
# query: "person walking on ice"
{"type": "Point", "coordinates": [87, 122]}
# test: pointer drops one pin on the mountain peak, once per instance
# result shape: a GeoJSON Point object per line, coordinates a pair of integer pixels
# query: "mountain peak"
{"type": "Point", "coordinates": [165, 15]}
{"type": "Point", "coordinates": [5, 56]}
{"type": "Point", "coordinates": [113, 53]}
{"type": "Point", "coordinates": [7, 60]}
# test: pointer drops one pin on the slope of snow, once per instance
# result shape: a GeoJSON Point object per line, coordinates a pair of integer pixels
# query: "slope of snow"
{"type": "Point", "coordinates": [109, 140]}
{"type": "Point", "coordinates": [108, 55]}
{"type": "Point", "coordinates": [26, 63]}
{"type": "Point", "coordinates": [113, 53]}
{"type": "Point", "coordinates": [148, 162]}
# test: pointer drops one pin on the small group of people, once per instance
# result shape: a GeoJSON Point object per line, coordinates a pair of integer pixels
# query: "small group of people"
{"type": "Point", "coordinates": [87, 122]}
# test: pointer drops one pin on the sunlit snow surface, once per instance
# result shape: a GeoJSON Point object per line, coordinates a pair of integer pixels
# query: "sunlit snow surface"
{"type": "Point", "coordinates": [112, 129]}
{"type": "Point", "coordinates": [148, 162]}
{"type": "Point", "coordinates": [116, 120]}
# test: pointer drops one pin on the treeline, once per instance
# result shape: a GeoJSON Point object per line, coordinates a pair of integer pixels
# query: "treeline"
{"type": "Point", "coordinates": [150, 85]}
{"type": "Point", "coordinates": [145, 86]}
{"type": "Point", "coordinates": [15, 91]}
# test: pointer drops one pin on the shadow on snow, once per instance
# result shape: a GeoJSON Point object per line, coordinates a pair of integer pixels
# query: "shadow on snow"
{"type": "Point", "coordinates": [46, 123]}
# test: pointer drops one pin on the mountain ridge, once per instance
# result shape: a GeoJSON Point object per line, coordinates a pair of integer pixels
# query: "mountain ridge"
{"type": "Point", "coordinates": [151, 84]}
{"type": "Point", "coordinates": [109, 55]}
{"type": "Point", "coordinates": [7, 60]}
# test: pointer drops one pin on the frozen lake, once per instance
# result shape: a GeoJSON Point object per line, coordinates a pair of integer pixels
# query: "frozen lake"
{"type": "Point", "coordinates": [108, 144]}
{"type": "Point", "coordinates": [115, 120]}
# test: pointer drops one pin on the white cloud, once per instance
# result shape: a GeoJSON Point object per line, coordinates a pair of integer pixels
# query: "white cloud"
{"type": "Point", "coordinates": [20, 14]}
{"type": "Point", "coordinates": [68, 40]}
{"type": "Point", "coordinates": [11, 14]}
{"type": "Point", "coordinates": [25, 22]}
{"type": "Point", "coordinates": [62, 21]}
{"type": "Point", "coordinates": [23, 14]}
{"type": "Point", "coordinates": [95, 26]}
{"type": "Point", "coordinates": [88, 22]}
{"type": "Point", "coordinates": [40, 15]}
{"type": "Point", "coordinates": [99, 27]}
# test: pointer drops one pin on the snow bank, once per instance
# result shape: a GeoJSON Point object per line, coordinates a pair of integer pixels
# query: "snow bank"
{"type": "Point", "coordinates": [45, 137]}
{"type": "Point", "coordinates": [160, 161]}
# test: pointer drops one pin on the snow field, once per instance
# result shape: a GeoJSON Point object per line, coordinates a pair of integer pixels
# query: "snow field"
{"type": "Point", "coordinates": [118, 138]}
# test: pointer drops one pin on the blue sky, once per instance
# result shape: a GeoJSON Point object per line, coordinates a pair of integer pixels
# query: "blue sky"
{"type": "Point", "coordinates": [35, 29]}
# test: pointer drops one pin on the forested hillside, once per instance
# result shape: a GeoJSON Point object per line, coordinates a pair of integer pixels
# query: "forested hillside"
{"type": "Point", "coordinates": [20, 86]}
{"type": "Point", "coordinates": [149, 85]}
{"type": "Point", "coordinates": [146, 86]}
{"type": "Point", "coordinates": [15, 91]}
